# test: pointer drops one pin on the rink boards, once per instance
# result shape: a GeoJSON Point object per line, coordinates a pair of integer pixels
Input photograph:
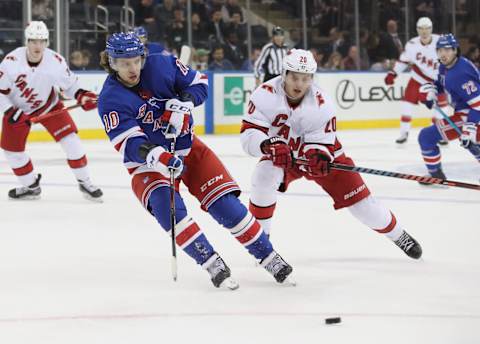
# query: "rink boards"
{"type": "Point", "coordinates": [362, 100]}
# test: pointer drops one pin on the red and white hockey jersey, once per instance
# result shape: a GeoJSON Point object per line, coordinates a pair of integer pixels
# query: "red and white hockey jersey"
{"type": "Point", "coordinates": [312, 122]}
{"type": "Point", "coordinates": [35, 89]}
{"type": "Point", "coordinates": [422, 58]}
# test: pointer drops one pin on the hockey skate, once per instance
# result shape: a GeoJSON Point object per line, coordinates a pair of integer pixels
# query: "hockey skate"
{"type": "Point", "coordinates": [220, 273]}
{"type": "Point", "coordinates": [402, 139]}
{"type": "Point", "coordinates": [31, 192]}
{"type": "Point", "coordinates": [409, 245]}
{"type": "Point", "coordinates": [90, 191]}
{"type": "Point", "coordinates": [437, 174]}
{"type": "Point", "coordinates": [278, 267]}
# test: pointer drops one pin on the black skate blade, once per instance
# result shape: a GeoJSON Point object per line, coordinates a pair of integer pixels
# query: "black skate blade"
{"type": "Point", "coordinates": [92, 199]}
{"type": "Point", "coordinates": [25, 198]}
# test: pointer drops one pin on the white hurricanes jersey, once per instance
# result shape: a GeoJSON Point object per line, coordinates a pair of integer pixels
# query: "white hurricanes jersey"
{"type": "Point", "coordinates": [35, 89]}
{"type": "Point", "coordinates": [269, 114]}
{"type": "Point", "coordinates": [422, 58]}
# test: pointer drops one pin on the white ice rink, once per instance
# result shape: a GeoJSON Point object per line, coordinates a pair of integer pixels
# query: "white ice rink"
{"type": "Point", "coordinates": [72, 271]}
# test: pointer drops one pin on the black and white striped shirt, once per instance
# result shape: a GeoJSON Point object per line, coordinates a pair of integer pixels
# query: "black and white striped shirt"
{"type": "Point", "coordinates": [270, 60]}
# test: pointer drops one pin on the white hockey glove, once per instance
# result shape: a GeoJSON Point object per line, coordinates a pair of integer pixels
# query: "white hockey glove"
{"type": "Point", "coordinates": [177, 117]}
{"type": "Point", "coordinates": [428, 92]}
{"type": "Point", "coordinates": [469, 134]}
{"type": "Point", "coordinates": [163, 162]}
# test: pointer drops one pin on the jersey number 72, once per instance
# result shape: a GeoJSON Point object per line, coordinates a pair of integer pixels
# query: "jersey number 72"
{"type": "Point", "coordinates": [469, 87]}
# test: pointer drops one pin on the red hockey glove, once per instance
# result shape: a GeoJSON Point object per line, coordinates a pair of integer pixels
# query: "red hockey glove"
{"type": "Point", "coordinates": [176, 116]}
{"type": "Point", "coordinates": [87, 100]}
{"type": "Point", "coordinates": [390, 78]}
{"type": "Point", "coordinates": [318, 162]}
{"type": "Point", "coordinates": [278, 151]}
{"type": "Point", "coordinates": [427, 92]}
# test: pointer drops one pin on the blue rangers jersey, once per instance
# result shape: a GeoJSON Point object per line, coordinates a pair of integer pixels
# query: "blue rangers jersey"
{"type": "Point", "coordinates": [156, 48]}
{"type": "Point", "coordinates": [131, 116]}
{"type": "Point", "coordinates": [462, 82]}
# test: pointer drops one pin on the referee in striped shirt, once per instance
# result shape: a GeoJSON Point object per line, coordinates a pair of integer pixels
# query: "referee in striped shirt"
{"type": "Point", "coordinates": [269, 63]}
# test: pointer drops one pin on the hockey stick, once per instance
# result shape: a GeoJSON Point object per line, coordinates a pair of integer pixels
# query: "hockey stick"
{"type": "Point", "coordinates": [423, 179]}
{"type": "Point", "coordinates": [173, 137]}
{"type": "Point", "coordinates": [472, 147]}
{"type": "Point", "coordinates": [185, 53]}
{"type": "Point", "coordinates": [52, 113]}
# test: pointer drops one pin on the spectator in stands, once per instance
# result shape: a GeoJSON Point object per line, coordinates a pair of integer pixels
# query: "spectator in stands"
{"type": "Point", "coordinates": [334, 62]}
{"type": "Point", "coordinates": [381, 66]}
{"type": "Point", "coordinates": [234, 50]}
{"type": "Point", "coordinates": [219, 63]}
{"type": "Point", "coordinates": [425, 8]}
{"type": "Point", "coordinates": [198, 6]}
{"type": "Point", "coordinates": [238, 26]}
{"type": "Point", "coordinates": [390, 9]}
{"type": "Point", "coordinates": [337, 42]}
{"type": "Point", "coordinates": [42, 9]}
{"type": "Point", "coordinates": [473, 54]}
{"type": "Point", "coordinates": [145, 16]}
{"type": "Point", "coordinates": [216, 27]}
{"type": "Point", "coordinates": [199, 31]}
{"type": "Point", "coordinates": [390, 46]}
{"type": "Point", "coordinates": [213, 5]}
{"type": "Point", "coordinates": [249, 63]}
{"type": "Point", "coordinates": [329, 17]}
{"type": "Point", "coordinates": [200, 59]}
{"type": "Point", "coordinates": [372, 48]}
{"type": "Point", "coordinates": [295, 40]}
{"type": "Point", "coordinates": [163, 17]}
{"type": "Point", "coordinates": [363, 51]}
{"type": "Point", "coordinates": [177, 31]}
{"type": "Point", "coordinates": [318, 56]}
{"type": "Point", "coordinates": [352, 60]}
{"type": "Point", "coordinates": [229, 8]}
{"type": "Point", "coordinates": [76, 61]}
{"type": "Point", "coordinates": [80, 60]}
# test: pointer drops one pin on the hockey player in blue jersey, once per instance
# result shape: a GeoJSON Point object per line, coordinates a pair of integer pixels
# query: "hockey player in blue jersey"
{"type": "Point", "coordinates": [141, 98]}
{"type": "Point", "coordinates": [460, 78]}
{"type": "Point", "coordinates": [152, 47]}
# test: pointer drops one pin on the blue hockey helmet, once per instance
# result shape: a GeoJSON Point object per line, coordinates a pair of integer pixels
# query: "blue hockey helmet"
{"type": "Point", "coordinates": [140, 31]}
{"type": "Point", "coordinates": [447, 41]}
{"type": "Point", "coordinates": [124, 44]}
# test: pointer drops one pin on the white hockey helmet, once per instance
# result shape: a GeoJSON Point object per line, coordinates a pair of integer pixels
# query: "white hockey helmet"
{"type": "Point", "coordinates": [424, 22]}
{"type": "Point", "coordinates": [300, 61]}
{"type": "Point", "coordinates": [36, 30]}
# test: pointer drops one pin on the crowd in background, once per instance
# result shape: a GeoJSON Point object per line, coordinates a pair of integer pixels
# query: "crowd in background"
{"type": "Point", "coordinates": [219, 31]}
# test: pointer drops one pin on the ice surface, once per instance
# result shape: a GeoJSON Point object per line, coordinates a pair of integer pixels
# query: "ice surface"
{"type": "Point", "coordinates": [73, 271]}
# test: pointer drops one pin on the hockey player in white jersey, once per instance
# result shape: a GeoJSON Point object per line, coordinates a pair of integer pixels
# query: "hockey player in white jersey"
{"type": "Point", "coordinates": [420, 54]}
{"type": "Point", "coordinates": [31, 81]}
{"type": "Point", "coordinates": [290, 119]}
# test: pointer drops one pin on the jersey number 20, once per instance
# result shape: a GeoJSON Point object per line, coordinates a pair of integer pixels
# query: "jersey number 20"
{"type": "Point", "coordinates": [331, 125]}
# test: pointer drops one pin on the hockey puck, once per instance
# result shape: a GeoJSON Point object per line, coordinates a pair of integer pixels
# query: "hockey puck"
{"type": "Point", "coordinates": [331, 321]}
